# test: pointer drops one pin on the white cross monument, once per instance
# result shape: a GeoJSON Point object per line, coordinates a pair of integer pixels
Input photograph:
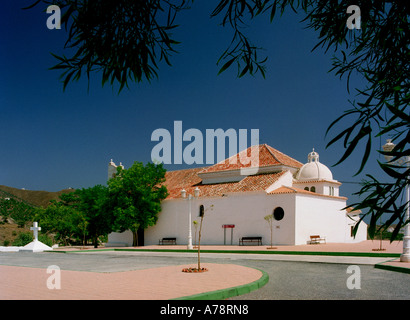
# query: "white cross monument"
{"type": "Point", "coordinates": [35, 228]}
{"type": "Point", "coordinates": [35, 245]}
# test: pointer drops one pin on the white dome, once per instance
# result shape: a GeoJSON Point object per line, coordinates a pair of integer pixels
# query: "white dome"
{"type": "Point", "coordinates": [314, 170]}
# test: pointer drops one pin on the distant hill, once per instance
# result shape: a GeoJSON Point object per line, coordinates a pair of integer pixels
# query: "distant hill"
{"type": "Point", "coordinates": [36, 198]}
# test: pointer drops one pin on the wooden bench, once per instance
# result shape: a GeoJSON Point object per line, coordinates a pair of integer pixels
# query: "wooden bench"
{"type": "Point", "coordinates": [168, 241]}
{"type": "Point", "coordinates": [316, 239]}
{"type": "Point", "coordinates": [250, 239]}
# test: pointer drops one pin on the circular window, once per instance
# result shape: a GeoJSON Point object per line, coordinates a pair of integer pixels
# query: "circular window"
{"type": "Point", "coordinates": [278, 213]}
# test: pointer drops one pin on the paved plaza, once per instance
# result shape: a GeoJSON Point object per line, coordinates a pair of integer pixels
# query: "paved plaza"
{"type": "Point", "coordinates": [155, 272]}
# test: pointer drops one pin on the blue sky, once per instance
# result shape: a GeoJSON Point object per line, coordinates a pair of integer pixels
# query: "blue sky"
{"type": "Point", "coordinates": [51, 140]}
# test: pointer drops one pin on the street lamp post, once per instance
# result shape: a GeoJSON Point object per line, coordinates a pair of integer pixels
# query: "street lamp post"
{"type": "Point", "coordinates": [184, 196]}
{"type": "Point", "coordinates": [405, 256]}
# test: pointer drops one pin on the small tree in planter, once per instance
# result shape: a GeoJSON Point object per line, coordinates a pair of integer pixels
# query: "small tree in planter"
{"type": "Point", "coordinates": [269, 220]}
{"type": "Point", "coordinates": [201, 214]}
{"type": "Point", "coordinates": [195, 223]}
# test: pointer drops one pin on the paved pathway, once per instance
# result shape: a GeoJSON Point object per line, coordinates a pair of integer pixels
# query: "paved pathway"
{"type": "Point", "coordinates": [112, 279]}
{"type": "Point", "coordinates": [148, 284]}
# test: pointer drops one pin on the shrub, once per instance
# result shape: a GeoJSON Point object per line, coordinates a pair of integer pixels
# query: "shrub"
{"type": "Point", "coordinates": [26, 237]}
{"type": "Point", "coordinates": [45, 239]}
{"type": "Point", "coordinates": [23, 238]}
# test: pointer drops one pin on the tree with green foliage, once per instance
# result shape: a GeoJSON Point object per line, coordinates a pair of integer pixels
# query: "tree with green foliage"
{"type": "Point", "coordinates": [22, 213]}
{"type": "Point", "coordinates": [97, 218]}
{"type": "Point", "coordinates": [5, 209]}
{"type": "Point", "coordinates": [25, 238]}
{"type": "Point", "coordinates": [61, 220]}
{"type": "Point", "coordinates": [135, 197]}
{"type": "Point", "coordinates": [19, 211]}
{"type": "Point", "coordinates": [125, 40]}
{"type": "Point", "coordinates": [94, 205]}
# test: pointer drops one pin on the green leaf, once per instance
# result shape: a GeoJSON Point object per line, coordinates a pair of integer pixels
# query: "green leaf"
{"type": "Point", "coordinates": [219, 8]}
{"type": "Point", "coordinates": [352, 145]}
{"type": "Point", "coordinates": [227, 65]}
{"type": "Point", "coordinates": [244, 71]}
{"type": "Point", "coordinates": [366, 155]}
{"type": "Point", "coordinates": [68, 78]}
{"type": "Point", "coordinates": [399, 113]}
{"type": "Point", "coordinates": [32, 5]}
{"type": "Point", "coordinates": [392, 173]}
{"type": "Point", "coordinates": [273, 11]}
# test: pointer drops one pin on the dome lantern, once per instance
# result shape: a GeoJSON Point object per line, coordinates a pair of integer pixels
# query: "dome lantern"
{"type": "Point", "coordinates": [314, 170]}
{"type": "Point", "coordinates": [313, 156]}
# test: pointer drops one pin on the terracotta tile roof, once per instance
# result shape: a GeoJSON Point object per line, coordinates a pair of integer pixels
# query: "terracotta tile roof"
{"type": "Point", "coordinates": [285, 189]}
{"type": "Point", "coordinates": [350, 210]}
{"type": "Point", "coordinates": [283, 158]}
{"type": "Point", "coordinates": [268, 156]}
{"type": "Point", "coordinates": [315, 181]}
{"type": "Point", "coordinates": [189, 180]}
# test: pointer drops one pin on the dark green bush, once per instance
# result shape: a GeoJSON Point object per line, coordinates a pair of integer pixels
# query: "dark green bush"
{"type": "Point", "coordinates": [23, 238]}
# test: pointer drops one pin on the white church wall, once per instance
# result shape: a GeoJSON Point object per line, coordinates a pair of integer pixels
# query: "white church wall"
{"type": "Point", "coordinates": [321, 187]}
{"type": "Point", "coordinates": [320, 216]}
{"type": "Point", "coordinates": [231, 209]}
{"type": "Point", "coordinates": [245, 211]}
{"type": "Point", "coordinates": [361, 234]}
{"type": "Point", "coordinates": [172, 222]}
{"type": "Point", "coordinates": [285, 180]}
{"type": "Point", "coordinates": [241, 210]}
{"type": "Point", "coordinates": [283, 230]}
{"type": "Point", "coordinates": [330, 189]}
{"type": "Point", "coordinates": [252, 223]}
{"type": "Point", "coordinates": [304, 215]}
{"type": "Point", "coordinates": [314, 215]}
{"type": "Point", "coordinates": [112, 170]}
{"type": "Point", "coordinates": [119, 239]}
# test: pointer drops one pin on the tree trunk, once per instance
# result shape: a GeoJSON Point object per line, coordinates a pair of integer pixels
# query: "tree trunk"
{"type": "Point", "coordinates": [135, 238]}
{"type": "Point", "coordinates": [95, 241]}
{"type": "Point", "coordinates": [199, 244]}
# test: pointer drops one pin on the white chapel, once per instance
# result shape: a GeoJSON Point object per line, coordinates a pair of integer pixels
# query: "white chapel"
{"type": "Point", "coordinates": [303, 198]}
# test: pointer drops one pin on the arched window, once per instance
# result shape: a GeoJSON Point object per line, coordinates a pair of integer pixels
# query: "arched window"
{"type": "Point", "coordinates": [278, 213]}
{"type": "Point", "coordinates": [307, 188]}
{"type": "Point", "coordinates": [313, 189]}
